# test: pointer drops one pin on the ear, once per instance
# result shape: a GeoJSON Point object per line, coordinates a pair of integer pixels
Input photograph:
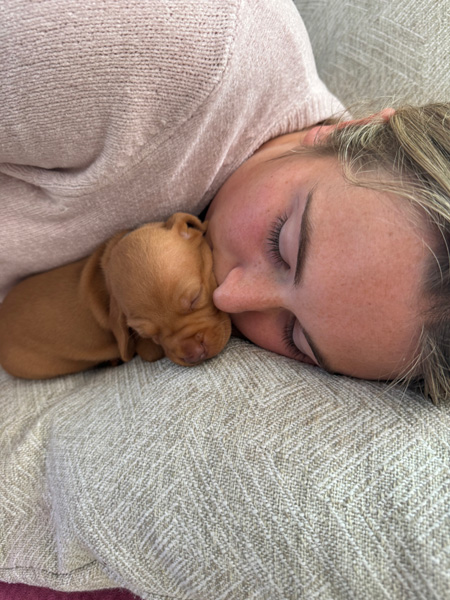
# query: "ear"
{"type": "Point", "coordinates": [110, 244]}
{"type": "Point", "coordinates": [120, 329]}
{"type": "Point", "coordinates": [187, 225]}
{"type": "Point", "coordinates": [143, 327]}
{"type": "Point", "coordinates": [383, 116]}
{"type": "Point", "coordinates": [318, 133]}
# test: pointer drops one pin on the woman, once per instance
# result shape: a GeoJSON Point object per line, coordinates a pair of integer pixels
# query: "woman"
{"type": "Point", "coordinates": [344, 268]}
{"type": "Point", "coordinates": [130, 112]}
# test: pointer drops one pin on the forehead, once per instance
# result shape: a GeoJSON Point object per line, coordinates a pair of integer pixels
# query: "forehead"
{"type": "Point", "coordinates": [364, 225]}
{"type": "Point", "coordinates": [362, 280]}
{"type": "Point", "coordinates": [158, 251]}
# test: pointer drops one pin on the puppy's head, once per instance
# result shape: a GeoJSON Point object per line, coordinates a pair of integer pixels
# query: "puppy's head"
{"type": "Point", "coordinates": [161, 283]}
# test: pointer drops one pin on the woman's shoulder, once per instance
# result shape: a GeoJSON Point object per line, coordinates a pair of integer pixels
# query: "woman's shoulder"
{"type": "Point", "coordinates": [89, 69]}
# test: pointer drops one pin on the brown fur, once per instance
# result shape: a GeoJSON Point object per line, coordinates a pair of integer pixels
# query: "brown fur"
{"type": "Point", "coordinates": [146, 291]}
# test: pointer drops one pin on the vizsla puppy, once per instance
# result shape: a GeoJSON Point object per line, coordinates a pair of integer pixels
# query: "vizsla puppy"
{"type": "Point", "coordinates": [146, 291]}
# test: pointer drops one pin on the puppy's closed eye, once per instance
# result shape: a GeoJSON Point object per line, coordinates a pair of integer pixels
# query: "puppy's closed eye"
{"type": "Point", "coordinates": [190, 301]}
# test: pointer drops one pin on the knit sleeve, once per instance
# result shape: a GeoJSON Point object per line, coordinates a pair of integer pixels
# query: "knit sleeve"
{"type": "Point", "coordinates": [80, 80]}
{"type": "Point", "coordinates": [119, 113]}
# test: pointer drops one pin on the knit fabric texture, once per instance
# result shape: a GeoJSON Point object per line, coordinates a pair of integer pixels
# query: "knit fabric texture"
{"type": "Point", "coordinates": [114, 114]}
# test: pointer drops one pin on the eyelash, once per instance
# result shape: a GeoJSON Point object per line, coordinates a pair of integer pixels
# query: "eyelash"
{"type": "Point", "coordinates": [273, 240]}
{"type": "Point", "coordinates": [288, 338]}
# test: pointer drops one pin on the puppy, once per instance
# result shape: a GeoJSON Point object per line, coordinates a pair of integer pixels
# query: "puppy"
{"type": "Point", "coordinates": [146, 291]}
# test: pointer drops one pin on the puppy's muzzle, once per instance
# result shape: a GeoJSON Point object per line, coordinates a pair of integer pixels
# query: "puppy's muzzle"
{"type": "Point", "coordinates": [194, 350]}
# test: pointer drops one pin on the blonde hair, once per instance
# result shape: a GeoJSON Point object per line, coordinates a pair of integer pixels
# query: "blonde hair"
{"type": "Point", "coordinates": [409, 155]}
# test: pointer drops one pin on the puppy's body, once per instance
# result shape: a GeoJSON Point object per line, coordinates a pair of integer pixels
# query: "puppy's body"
{"type": "Point", "coordinates": [78, 316]}
{"type": "Point", "coordinates": [40, 315]}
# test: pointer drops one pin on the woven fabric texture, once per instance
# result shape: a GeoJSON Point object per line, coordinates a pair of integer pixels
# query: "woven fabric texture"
{"type": "Point", "coordinates": [380, 51]}
{"type": "Point", "coordinates": [250, 476]}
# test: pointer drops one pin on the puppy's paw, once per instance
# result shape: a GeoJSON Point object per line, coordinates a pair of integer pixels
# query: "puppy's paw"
{"type": "Point", "coordinates": [148, 350]}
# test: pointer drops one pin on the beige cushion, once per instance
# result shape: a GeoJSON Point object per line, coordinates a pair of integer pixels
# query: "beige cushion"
{"type": "Point", "coordinates": [387, 52]}
{"type": "Point", "coordinates": [250, 476]}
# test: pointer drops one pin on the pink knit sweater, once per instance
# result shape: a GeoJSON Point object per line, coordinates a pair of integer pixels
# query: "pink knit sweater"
{"type": "Point", "coordinates": [117, 113]}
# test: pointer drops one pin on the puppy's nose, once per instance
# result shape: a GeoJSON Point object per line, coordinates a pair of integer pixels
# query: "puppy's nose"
{"type": "Point", "coordinates": [194, 349]}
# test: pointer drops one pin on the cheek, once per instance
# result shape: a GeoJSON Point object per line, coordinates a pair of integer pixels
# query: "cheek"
{"type": "Point", "coordinates": [250, 233]}
{"type": "Point", "coordinates": [261, 329]}
{"type": "Point", "coordinates": [238, 233]}
{"type": "Point", "coordinates": [241, 208]}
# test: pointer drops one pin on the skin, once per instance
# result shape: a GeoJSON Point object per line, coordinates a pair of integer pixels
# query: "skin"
{"type": "Point", "coordinates": [357, 307]}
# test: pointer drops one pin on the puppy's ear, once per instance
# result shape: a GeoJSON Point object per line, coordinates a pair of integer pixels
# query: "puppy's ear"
{"type": "Point", "coordinates": [187, 225]}
{"type": "Point", "coordinates": [116, 318]}
{"type": "Point", "coordinates": [110, 244]}
{"type": "Point", "coordinates": [120, 329]}
{"type": "Point", "coordinates": [143, 327]}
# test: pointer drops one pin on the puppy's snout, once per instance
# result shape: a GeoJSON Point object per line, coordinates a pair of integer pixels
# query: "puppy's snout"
{"type": "Point", "coordinates": [194, 349]}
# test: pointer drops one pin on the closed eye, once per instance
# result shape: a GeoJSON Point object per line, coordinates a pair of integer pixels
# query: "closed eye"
{"type": "Point", "coordinates": [190, 300]}
{"type": "Point", "coordinates": [196, 300]}
{"type": "Point", "coordinates": [291, 347]}
{"type": "Point", "coordinates": [288, 338]}
{"type": "Point", "coordinates": [273, 241]}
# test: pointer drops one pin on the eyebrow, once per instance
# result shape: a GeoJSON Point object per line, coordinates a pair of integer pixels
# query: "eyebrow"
{"type": "Point", "coordinates": [302, 254]}
{"type": "Point", "coordinates": [304, 241]}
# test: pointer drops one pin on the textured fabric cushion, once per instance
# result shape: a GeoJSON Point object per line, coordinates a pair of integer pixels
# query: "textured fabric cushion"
{"type": "Point", "coordinates": [385, 52]}
{"type": "Point", "coordinates": [250, 476]}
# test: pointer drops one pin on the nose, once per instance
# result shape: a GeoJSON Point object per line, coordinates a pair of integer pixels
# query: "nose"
{"type": "Point", "coordinates": [243, 290]}
{"type": "Point", "coordinates": [194, 349]}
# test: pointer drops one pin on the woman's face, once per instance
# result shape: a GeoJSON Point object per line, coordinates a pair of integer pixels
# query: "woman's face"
{"type": "Point", "coordinates": [314, 268]}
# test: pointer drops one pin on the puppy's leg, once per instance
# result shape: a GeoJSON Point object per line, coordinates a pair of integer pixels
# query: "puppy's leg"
{"type": "Point", "coordinates": [148, 350]}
